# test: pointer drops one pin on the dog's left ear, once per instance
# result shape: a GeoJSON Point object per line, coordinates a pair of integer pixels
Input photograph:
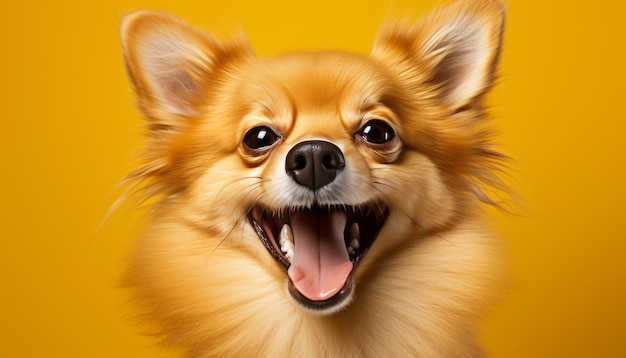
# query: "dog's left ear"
{"type": "Point", "coordinates": [453, 52]}
{"type": "Point", "coordinates": [170, 63]}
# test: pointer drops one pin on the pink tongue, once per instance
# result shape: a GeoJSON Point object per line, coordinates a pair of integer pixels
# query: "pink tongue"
{"type": "Point", "coordinates": [320, 265]}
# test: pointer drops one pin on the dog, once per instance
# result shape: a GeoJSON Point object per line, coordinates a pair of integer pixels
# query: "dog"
{"type": "Point", "coordinates": [317, 204]}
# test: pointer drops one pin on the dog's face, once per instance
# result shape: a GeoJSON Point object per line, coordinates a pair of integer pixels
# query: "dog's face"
{"type": "Point", "coordinates": [319, 149]}
{"type": "Point", "coordinates": [319, 165]}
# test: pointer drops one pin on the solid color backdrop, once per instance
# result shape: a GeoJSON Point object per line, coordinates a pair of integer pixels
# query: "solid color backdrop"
{"type": "Point", "coordinates": [70, 133]}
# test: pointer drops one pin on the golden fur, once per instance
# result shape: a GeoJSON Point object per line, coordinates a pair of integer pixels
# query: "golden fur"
{"type": "Point", "coordinates": [199, 273]}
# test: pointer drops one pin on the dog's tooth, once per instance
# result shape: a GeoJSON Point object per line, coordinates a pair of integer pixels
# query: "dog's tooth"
{"type": "Point", "coordinates": [286, 241]}
{"type": "Point", "coordinates": [285, 235]}
{"type": "Point", "coordinates": [286, 246]}
{"type": "Point", "coordinates": [355, 234]}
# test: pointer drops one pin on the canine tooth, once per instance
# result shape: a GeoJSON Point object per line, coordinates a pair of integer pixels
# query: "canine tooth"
{"type": "Point", "coordinates": [354, 245]}
{"type": "Point", "coordinates": [285, 235]}
{"type": "Point", "coordinates": [286, 246]}
{"type": "Point", "coordinates": [286, 241]}
{"type": "Point", "coordinates": [355, 234]}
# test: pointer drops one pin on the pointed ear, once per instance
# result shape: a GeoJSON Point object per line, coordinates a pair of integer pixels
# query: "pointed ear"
{"type": "Point", "coordinates": [169, 62]}
{"type": "Point", "coordinates": [455, 49]}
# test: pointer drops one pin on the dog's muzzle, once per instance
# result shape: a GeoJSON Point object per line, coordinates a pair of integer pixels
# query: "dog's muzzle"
{"type": "Point", "coordinates": [318, 245]}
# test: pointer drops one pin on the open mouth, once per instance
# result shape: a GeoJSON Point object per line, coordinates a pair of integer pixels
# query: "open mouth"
{"type": "Point", "coordinates": [319, 247]}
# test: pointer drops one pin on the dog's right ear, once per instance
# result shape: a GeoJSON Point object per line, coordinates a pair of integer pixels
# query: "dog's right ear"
{"type": "Point", "coordinates": [452, 52]}
{"type": "Point", "coordinates": [170, 63]}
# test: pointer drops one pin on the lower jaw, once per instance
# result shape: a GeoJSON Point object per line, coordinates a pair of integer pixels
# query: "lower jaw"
{"type": "Point", "coordinates": [336, 303]}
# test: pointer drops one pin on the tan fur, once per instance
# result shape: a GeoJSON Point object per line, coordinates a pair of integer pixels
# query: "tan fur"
{"type": "Point", "coordinates": [200, 275]}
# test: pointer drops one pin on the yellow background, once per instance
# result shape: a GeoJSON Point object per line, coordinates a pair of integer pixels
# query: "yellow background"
{"type": "Point", "coordinates": [69, 133]}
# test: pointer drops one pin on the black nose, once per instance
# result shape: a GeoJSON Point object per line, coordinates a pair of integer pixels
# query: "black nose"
{"type": "Point", "coordinates": [314, 163]}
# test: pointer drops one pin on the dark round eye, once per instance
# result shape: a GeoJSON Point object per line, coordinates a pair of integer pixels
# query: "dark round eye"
{"type": "Point", "coordinates": [260, 138]}
{"type": "Point", "coordinates": [377, 132]}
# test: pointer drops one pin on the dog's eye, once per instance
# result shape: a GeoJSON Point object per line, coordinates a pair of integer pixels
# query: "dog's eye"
{"type": "Point", "coordinates": [377, 132]}
{"type": "Point", "coordinates": [260, 138]}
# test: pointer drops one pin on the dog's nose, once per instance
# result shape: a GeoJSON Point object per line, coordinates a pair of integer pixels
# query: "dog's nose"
{"type": "Point", "coordinates": [314, 163]}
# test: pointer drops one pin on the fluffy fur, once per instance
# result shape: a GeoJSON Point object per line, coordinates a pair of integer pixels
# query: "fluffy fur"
{"type": "Point", "coordinates": [201, 276]}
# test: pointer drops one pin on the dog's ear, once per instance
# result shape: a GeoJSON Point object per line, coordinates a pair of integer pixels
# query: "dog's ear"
{"type": "Point", "coordinates": [170, 63]}
{"type": "Point", "coordinates": [453, 51]}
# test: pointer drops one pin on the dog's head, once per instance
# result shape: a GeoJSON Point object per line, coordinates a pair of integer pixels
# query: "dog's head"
{"type": "Point", "coordinates": [324, 161]}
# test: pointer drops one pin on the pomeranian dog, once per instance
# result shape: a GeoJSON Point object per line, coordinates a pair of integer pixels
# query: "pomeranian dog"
{"type": "Point", "coordinates": [317, 204]}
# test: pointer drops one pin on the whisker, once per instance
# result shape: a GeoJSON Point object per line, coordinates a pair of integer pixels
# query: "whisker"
{"type": "Point", "coordinates": [392, 169]}
{"type": "Point", "coordinates": [249, 189]}
{"type": "Point", "coordinates": [410, 217]}
{"type": "Point", "coordinates": [236, 213]}
{"type": "Point", "coordinates": [382, 181]}
{"type": "Point", "coordinates": [239, 180]}
{"type": "Point", "coordinates": [387, 183]}
{"type": "Point", "coordinates": [223, 239]}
